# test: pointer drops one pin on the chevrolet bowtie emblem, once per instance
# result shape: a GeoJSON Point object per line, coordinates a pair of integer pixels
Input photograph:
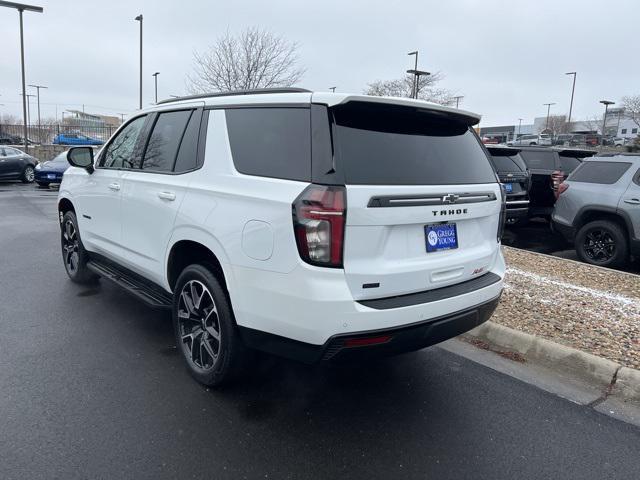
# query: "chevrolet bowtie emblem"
{"type": "Point", "coordinates": [450, 198]}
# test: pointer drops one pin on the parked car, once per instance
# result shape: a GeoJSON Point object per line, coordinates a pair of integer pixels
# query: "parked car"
{"type": "Point", "coordinates": [542, 139]}
{"type": "Point", "coordinates": [570, 140]}
{"type": "Point", "coordinates": [236, 220]}
{"type": "Point", "coordinates": [548, 167]}
{"type": "Point", "coordinates": [8, 139]}
{"type": "Point", "coordinates": [515, 177]}
{"type": "Point", "coordinates": [75, 139]}
{"type": "Point", "coordinates": [16, 165]}
{"type": "Point", "coordinates": [599, 209]}
{"type": "Point", "coordinates": [50, 172]}
{"type": "Point", "coordinates": [490, 140]}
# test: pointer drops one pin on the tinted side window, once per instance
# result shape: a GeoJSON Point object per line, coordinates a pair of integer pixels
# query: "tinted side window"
{"type": "Point", "coordinates": [164, 141]}
{"type": "Point", "coordinates": [540, 160]}
{"type": "Point", "coordinates": [271, 142]}
{"type": "Point", "coordinates": [119, 153]}
{"type": "Point", "coordinates": [188, 152]}
{"type": "Point", "coordinates": [605, 173]}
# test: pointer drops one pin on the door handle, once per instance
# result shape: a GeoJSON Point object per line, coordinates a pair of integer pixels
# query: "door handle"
{"type": "Point", "coordinates": [632, 201]}
{"type": "Point", "coordinates": [114, 186]}
{"type": "Point", "coordinates": [167, 196]}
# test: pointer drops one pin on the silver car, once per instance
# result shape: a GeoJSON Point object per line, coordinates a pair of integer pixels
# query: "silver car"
{"type": "Point", "coordinates": [598, 208]}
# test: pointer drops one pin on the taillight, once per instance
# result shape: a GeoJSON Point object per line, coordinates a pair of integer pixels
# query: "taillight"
{"type": "Point", "coordinates": [561, 189]}
{"type": "Point", "coordinates": [503, 212]}
{"type": "Point", "coordinates": [319, 215]}
{"type": "Point", "coordinates": [557, 177]}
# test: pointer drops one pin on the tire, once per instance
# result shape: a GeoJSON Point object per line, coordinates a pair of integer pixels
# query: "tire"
{"type": "Point", "coordinates": [603, 243]}
{"type": "Point", "coordinates": [206, 333]}
{"type": "Point", "coordinates": [43, 184]}
{"type": "Point", "coordinates": [74, 256]}
{"type": "Point", "coordinates": [28, 174]}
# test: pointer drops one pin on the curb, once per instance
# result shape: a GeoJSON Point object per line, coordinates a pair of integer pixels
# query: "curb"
{"type": "Point", "coordinates": [612, 379]}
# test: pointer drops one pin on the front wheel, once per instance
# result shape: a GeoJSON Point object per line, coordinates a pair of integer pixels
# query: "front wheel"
{"type": "Point", "coordinates": [205, 329]}
{"type": "Point", "coordinates": [602, 243]}
{"type": "Point", "coordinates": [28, 174]}
{"type": "Point", "coordinates": [74, 255]}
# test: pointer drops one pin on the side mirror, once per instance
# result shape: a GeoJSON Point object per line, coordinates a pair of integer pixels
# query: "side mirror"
{"type": "Point", "coordinates": [81, 157]}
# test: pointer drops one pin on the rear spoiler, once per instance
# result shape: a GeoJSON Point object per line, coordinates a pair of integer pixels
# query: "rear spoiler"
{"type": "Point", "coordinates": [575, 153]}
{"type": "Point", "coordinates": [502, 151]}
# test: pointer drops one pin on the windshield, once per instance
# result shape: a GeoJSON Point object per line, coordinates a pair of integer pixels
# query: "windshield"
{"type": "Point", "coordinates": [388, 144]}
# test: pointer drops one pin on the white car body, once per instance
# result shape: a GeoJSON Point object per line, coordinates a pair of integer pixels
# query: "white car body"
{"type": "Point", "coordinates": [134, 218]}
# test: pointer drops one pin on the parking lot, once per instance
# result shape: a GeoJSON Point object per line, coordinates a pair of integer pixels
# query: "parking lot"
{"type": "Point", "coordinates": [91, 386]}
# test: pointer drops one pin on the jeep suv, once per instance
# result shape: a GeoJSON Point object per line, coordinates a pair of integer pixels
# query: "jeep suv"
{"type": "Point", "coordinates": [599, 209]}
{"type": "Point", "coordinates": [317, 226]}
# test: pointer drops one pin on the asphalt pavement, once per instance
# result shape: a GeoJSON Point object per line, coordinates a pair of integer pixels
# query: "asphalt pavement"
{"type": "Point", "coordinates": [92, 387]}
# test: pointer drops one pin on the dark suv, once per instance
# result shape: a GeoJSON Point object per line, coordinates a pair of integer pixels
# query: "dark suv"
{"type": "Point", "coordinates": [548, 168]}
{"type": "Point", "coordinates": [514, 175]}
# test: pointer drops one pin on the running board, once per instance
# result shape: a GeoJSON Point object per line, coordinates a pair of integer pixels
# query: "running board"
{"type": "Point", "coordinates": [150, 294]}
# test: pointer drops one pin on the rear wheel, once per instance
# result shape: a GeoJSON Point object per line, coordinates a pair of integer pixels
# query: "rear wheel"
{"type": "Point", "coordinates": [205, 328]}
{"type": "Point", "coordinates": [602, 243]}
{"type": "Point", "coordinates": [28, 174]}
{"type": "Point", "coordinates": [74, 255]}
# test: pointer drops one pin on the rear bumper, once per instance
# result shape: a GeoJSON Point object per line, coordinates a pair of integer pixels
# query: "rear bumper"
{"type": "Point", "coordinates": [567, 231]}
{"type": "Point", "coordinates": [43, 176]}
{"type": "Point", "coordinates": [397, 340]}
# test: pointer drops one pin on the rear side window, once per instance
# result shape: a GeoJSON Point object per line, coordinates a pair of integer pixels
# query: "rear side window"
{"type": "Point", "coordinates": [604, 173]}
{"type": "Point", "coordinates": [394, 145]}
{"type": "Point", "coordinates": [164, 141]}
{"type": "Point", "coordinates": [188, 152]}
{"type": "Point", "coordinates": [569, 164]}
{"type": "Point", "coordinates": [539, 160]}
{"type": "Point", "coordinates": [271, 142]}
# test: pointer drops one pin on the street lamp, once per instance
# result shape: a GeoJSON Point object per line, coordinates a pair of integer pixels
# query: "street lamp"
{"type": "Point", "coordinates": [548, 110]}
{"type": "Point", "coordinates": [155, 77]}
{"type": "Point", "coordinates": [606, 104]}
{"type": "Point", "coordinates": [457, 99]}
{"type": "Point", "coordinates": [38, 87]}
{"type": "Point", "coordinates": [417, 74]}
{"type": "Point", "coordinates": [519, 126]}
{"type": "Point", "coordinates": [333, 89]}
{"type": "Point", "coordinates": [139, 19]}
{"type": "Point", "coordinates": [21, 7]}
{"type": "Point", "coordinates": [414, 85]}
{"type": "Point", "coordinates": [573, 88]}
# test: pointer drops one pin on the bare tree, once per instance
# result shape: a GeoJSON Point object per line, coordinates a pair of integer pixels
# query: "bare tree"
{"type": "Point", "coordinates": [402, 87]}
{"type": "Point", "coordinates": [631, 105]}
{"type": "Point", "coordinates": [254, 59]}
{"type": "Point", "coordinates": [557, 124]}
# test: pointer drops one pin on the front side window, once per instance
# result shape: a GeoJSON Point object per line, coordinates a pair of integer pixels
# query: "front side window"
{"type": "Point", "coordinates": [120, 152]}
{"type": "Point", "coordinates": [602, 172]}
{"type": "Point", "coordinates": [164, 141]}
{"type": "Point", "coordinates": [271, 142]}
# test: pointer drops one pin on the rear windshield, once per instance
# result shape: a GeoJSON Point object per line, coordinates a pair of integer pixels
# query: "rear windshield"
{"type": "Point", "coordinates": [539, 159]}
{"type": "Point", "coordinates": [395, 145]}
{"type": "Point", "coordinates": [604, 173]}
{"type": "Point", "coordinates": [569, 164]}
{"type": "Point", "coordinates": [508, 163]}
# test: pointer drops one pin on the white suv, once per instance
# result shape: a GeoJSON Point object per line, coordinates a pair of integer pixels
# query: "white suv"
{"type": "Point", "coordinates": [316, 226]}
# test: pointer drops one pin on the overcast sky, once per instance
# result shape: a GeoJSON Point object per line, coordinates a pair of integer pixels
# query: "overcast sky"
{"type": "Point", "coordinates": [506, 57]}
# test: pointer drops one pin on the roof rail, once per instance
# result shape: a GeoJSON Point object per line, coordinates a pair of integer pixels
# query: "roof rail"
{"type": "Point", "coordinates": [257, 91]}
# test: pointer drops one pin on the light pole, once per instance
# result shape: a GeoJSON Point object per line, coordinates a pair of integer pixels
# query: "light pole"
{"type": "Point", "coordinates": [573, 89]}
{"type": "Point", "coordinates": [38, 87]}
{"type": "Point", "coordinates": [606, 104]}
{"type": "Point", "coordinates": [457, 98]}
{"type": "Point", "coordinates": [548, 110]}
{"type": "Point", "coordinates": [417, 74]}
{"type": "Point", "coordinates": [139, 19]}
{"type": "Point", "coordinates": [121, 118]}
{"type": "Point", "coordinates": [21, 7]}
{"type": "Point", "coordinates": [155, 78]}
{"type": "Point", "coordinates": [414, 85]}
{"type": "Point", "coordinates": [519, 126]}
{"type": "Point", "coordinates": [333, 89]}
